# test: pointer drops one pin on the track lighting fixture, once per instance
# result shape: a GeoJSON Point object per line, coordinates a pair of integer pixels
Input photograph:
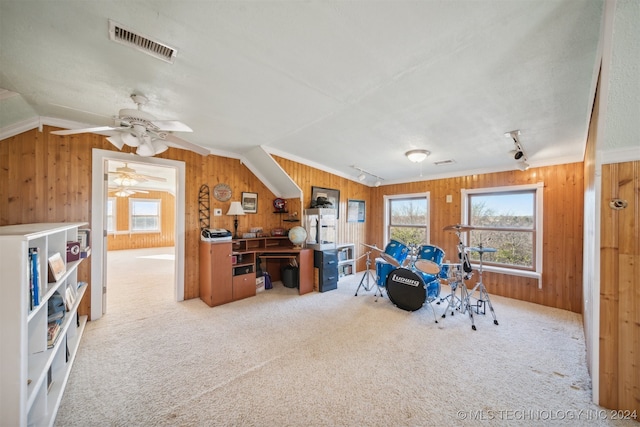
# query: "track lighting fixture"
{"type": "Point", "coordinates": [363, 176]}
{"type": "Point", "coordinates": [518, 153]}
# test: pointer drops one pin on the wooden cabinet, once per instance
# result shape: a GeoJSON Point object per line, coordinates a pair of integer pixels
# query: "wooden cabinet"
{"type": "Point", "coordinates": [225, 275]}
{"type": "Point", "coordinates": [244, 286]}
{"type": "Point", "coordinates": [34, 370]}
{"type": "Point", "coordinates": [216, 284]}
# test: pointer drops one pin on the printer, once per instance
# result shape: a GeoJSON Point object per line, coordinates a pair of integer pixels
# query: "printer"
{"type": "Point", "coordinates": [215, 235]}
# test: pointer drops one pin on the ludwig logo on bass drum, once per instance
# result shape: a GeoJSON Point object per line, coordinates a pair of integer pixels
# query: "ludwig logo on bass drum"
{"type": "Point", "coordinates": [405, 280]}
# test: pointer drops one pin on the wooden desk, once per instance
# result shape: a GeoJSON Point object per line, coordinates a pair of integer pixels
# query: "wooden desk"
{"type": "Point", "coordinates": [283, 256]}
{"type": "Point", "coordinates": [228, 268]}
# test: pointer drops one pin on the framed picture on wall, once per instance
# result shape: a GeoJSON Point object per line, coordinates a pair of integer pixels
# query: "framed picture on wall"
{"type": "Point", "coordinates": [355, 210]}
{"type": "Point", "coordinates": [326, 195]}
{"type": "Point", "coordinates": [250, 202]}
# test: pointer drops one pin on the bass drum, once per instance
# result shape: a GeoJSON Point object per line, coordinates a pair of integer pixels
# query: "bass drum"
{"type": "Point", "coordinates": [406, 289]}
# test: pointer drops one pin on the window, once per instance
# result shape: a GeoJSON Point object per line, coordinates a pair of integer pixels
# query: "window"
{"type": "Point", "coordinates": [508, 219]}
{"type": "Point", "coordinates": [144, 214]}
{"type": "Point", "coordinates": [407, 218]}
{"type": "Point", "coordinates": [111, 215]}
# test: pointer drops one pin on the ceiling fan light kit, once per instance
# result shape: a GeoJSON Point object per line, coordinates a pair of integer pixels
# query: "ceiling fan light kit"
{"type": "Point", "coordinates": [141, 130]}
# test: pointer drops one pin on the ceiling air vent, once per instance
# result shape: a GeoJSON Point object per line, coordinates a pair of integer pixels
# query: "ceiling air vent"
{"type": "Point", "coordinates": [444, 162]}
{"type": "Point", "coordinates": [125, 36]}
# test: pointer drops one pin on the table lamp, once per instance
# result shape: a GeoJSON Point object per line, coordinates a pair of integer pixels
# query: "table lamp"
{"type": "Point", "coordinates": [235, 209]}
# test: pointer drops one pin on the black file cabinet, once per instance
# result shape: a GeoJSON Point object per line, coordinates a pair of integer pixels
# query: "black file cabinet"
{"type": "Point", "coordinates": [326, 261]}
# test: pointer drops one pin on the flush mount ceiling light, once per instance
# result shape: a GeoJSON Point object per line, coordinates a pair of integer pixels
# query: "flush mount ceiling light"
{"type": "Point", "coordinates": [417, 156]}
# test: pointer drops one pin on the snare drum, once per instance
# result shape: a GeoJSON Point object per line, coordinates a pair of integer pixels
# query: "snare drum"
{"type": "Point", "coordinates": [383, 269]}
{"type": "Point", "coordinates": [429, 259]}
{"type": "Point", "coordinates": [395, 253]}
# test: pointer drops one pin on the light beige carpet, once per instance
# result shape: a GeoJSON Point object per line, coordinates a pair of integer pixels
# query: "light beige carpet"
{"type": "Point", "coordinates": [321, 359]}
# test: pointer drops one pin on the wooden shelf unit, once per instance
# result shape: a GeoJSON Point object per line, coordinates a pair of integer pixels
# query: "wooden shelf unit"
{"type": "Point", "coordinates": [34, 376]}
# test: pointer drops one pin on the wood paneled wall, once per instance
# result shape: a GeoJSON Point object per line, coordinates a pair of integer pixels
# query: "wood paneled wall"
{"type": "Point", "coordinates": [620, 288]}
{"type": "Point", "coordinates": [562, 228]}
{"type": "Point", "coordinates": [47, 178]}
{"type": "Point", "coordinates": [123, 239]}
{"type": "Point", "coordinates": [348, 232]}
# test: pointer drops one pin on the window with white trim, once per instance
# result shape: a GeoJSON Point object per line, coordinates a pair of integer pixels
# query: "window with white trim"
{"type": "Point", "coordinates": [509, 220]}
{"type": "Point", "coordinates": [111, 215]}
{"type": "Point", "coordinates": [407, 218]}
{"type": "Point", "coordinates": [144, 214]}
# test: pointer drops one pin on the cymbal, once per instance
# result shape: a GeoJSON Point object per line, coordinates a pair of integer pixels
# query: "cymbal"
{"type": "Point", "coordinates": [459, 228]}
{"type": "Point", "coordinates": [372, 247]}
{"type": "Point", "coordinates": [482, 250]}
{"type": "Point", "coordinates": [391, 260]}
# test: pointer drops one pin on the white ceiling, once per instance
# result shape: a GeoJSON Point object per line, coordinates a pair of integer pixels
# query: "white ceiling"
{"type": "Point", "coordinates": [330, 84]}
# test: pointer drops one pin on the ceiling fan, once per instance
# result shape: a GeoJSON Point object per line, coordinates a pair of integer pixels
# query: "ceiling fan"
{"type": "Point", "coordinates": [139, 129]}
{"type": "Point", "coordinates": [125, 176]}
{"type": "Point", "coordinates": [123, 191]}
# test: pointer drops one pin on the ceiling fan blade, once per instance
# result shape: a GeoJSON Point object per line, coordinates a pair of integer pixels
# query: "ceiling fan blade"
{"type": "Point", "coordinates": [150, 178]}
{"type": "Point", "coordinates": [86, 130]}
{"type": "Point", "coordinates": [171, 126]}
{"type": "Point", "coordinates": [176, 142]}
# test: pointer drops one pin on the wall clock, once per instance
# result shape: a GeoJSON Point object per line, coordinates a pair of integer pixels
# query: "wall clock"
{"type": "Point", "coordinates": [222, 192]}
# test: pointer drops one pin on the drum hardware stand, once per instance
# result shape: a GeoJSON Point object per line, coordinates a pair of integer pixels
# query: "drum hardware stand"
{"type": "Point", "coordinates": [465, 273]}
{"type": "Point", "coordinates": [368, 278]}
{"type": "Point", "coordinates": [483, 295]}
{"type": "Point", "coordinates": [433, 310]}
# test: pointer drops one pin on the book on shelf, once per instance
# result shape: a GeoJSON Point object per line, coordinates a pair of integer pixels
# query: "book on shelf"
{"type": "Point", "coordinates": [35, 280]}
{"type": "Point", "coordinates": [70, 298]}
{"type": "Point", "coordinates": [84, 237]}
{"type": "Point", "coordinates": [56, 307]}
{"type": "Point", "coordinates": [57, 267]}
{"type": "Point", "coordinates": [53, 331]}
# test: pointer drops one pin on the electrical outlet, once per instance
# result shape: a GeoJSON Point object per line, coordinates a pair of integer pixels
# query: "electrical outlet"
{"type": "Point", "coordinates": [217, 212]}
{"type": "Point", "coordinates": [449, 198]}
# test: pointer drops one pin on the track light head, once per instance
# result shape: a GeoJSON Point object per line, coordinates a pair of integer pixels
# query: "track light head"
{"type": "Point", "coordinates": [518, 155]}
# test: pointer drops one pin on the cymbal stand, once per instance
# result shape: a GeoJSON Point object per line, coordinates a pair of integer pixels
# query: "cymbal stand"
{"type": "Point", "coordinates": [455, 303]}
{"type": "Point", "coordinates": [483, 296]}
{"type": "Point", "coordinates": [368, 278]}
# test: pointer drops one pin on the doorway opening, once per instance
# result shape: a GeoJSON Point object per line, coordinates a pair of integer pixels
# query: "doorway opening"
{"type": "Point", "coordinates": [140, 235]}
{"type": "Point", "coordinates": [138, 231]}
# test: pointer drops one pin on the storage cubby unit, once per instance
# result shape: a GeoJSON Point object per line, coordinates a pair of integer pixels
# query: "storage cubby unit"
{"type": "Point", "coordinates": [34, 374]}
{"type": "Point", "coordinates": [346, 259]}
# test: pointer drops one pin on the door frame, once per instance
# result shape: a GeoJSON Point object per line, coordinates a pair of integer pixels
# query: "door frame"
{"type": "Point", "coordinates": [98, 222]}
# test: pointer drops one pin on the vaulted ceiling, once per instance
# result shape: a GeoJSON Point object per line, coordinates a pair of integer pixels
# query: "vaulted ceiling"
{"type": "Point", "coordinates": [331, 84]}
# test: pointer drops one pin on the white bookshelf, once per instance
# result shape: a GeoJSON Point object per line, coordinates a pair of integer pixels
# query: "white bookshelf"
{"type": "Point", "coordinates": [346, 259]}
{"type": "Point", "coordinates": [27, 396]}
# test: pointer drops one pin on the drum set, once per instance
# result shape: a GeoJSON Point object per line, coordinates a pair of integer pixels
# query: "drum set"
{"type": "Point", "coordinates": [412, 276]}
